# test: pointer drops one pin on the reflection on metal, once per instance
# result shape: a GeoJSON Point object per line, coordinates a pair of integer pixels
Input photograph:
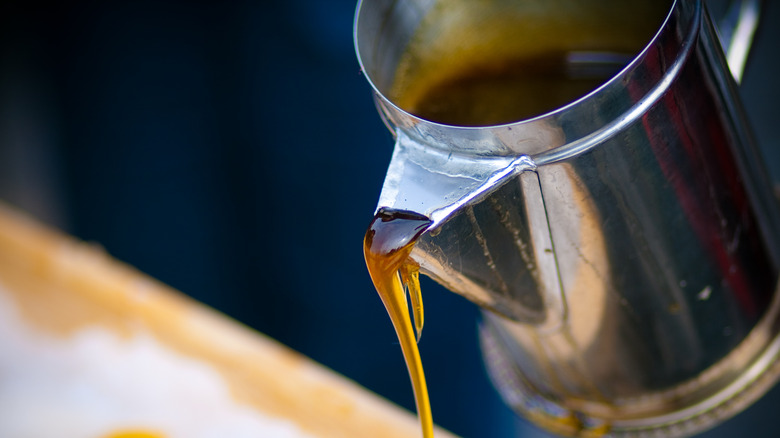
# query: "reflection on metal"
{"type": "Point", "coordinates": [736, 31]}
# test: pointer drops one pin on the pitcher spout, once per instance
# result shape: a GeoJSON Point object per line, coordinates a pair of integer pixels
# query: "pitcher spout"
{"type": "Point", "coordinates": [437, 183]}
{"type": "Point", "coordinates": [472, 202]}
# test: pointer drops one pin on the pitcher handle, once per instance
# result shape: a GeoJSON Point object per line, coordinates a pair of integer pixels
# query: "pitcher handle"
{"type": "Point", "coordinates": [736, 30]}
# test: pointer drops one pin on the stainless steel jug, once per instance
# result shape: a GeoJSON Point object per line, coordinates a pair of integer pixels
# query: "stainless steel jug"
{"type": "Point", "coordinates": [625, 246]}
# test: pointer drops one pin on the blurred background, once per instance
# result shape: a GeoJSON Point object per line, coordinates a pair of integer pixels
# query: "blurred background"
{"type": "Point", "coordinates": [232, 150]}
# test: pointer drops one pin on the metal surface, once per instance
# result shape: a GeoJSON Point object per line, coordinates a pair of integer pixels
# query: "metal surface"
{"type": "Point", "coordinates": [736, 32]}
{"type": "Point", "coordinates": [626, 247]}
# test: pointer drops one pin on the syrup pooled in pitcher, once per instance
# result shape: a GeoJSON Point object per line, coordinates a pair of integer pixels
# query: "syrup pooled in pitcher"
{"type": "Point", "coordinates": [495, 62]}
{"type": "Point", "coordinates": [387, 245]}
{"type": "Point", "coordinates": [507, 90]}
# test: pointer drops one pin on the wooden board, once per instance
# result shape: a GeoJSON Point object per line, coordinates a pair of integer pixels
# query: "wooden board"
{"type": "Point", "coordinates": [90, 347]}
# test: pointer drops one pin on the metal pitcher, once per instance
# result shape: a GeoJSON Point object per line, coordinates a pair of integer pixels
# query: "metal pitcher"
{"type": "Point", "coordinates": [625, 245]}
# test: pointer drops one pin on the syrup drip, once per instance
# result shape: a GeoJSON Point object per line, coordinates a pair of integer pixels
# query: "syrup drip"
{"type": "Point", "coordinates": [389, 241]}
{"type": "Point", "coordinates": [134, 434]}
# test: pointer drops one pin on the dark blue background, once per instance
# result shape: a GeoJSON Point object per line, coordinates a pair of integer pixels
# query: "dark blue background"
{"type": "Point", "coordinates": [233, 151]}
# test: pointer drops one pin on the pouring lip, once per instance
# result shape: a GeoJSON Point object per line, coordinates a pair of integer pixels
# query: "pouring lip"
{"type": "Point", "coordinates": [402, 118]}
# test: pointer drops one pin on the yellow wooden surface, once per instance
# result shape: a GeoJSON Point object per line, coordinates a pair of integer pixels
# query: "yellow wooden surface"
{"type": "Point", "coordinates": [60, 287]}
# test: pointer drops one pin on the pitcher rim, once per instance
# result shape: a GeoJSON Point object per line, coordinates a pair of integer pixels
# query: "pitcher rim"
{"type": "Point", "coordinates": [635, 60]}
